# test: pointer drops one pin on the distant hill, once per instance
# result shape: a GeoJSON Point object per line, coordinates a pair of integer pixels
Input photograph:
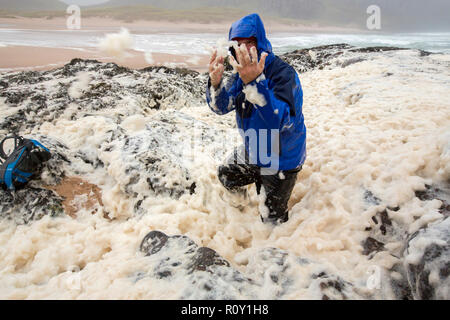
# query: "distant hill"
{"type": "Point", "coordinates": [395, 14]}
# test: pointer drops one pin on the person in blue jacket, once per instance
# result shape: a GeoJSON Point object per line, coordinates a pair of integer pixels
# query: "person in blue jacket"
{"type": "Point", "coordinates": [267, 96]}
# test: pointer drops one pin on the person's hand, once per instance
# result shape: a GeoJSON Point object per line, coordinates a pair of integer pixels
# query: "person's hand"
{"type": "Point", "coordinates": [216, 69]}
{"type": "Point", "coordinates": [248, 67]}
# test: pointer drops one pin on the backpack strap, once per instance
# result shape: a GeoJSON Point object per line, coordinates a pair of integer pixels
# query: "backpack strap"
{"type": "Point", "coordinates": [17, 142]}
{"type": "Point", "coordinates": [37, 143]}
{"type": "Point", "coordinates": [9, 172]}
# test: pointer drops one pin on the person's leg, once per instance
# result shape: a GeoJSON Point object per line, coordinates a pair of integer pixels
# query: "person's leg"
{"type": "Point", "coordinates": [278, 189]}
{"type": "Point", "coordinates": [236, 172]}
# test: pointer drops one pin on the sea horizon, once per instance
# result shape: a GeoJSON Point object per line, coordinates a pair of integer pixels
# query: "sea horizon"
{"type": "Point", "coordinates": [198, 43]}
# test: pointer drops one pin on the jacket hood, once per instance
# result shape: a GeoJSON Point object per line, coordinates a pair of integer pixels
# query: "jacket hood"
{"type": "Point", "coordinates": [251, 26]}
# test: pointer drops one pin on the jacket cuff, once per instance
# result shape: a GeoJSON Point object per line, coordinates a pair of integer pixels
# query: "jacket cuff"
{"type": "Point", "coordinates": [258, 79]}
{"type": "Point", "coordinates": [214, 90]}
{"type": "Point", "coordinates": [212, 94]}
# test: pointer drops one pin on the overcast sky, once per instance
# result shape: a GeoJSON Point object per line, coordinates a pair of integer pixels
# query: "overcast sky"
{"type": "Point", "coordinates": [83, 2]}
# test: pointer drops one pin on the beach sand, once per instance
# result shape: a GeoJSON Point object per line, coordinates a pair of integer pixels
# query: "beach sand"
{"type": "Point", "coordinates": [20, 58]}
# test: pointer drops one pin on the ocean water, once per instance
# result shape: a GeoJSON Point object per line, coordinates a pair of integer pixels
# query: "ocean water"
{"type": "Point", "coordinates": [198, 43]}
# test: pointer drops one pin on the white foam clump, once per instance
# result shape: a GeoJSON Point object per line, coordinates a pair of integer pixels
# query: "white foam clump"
{"type": "Point", "coordinates": [368, 146]}
{"type": "Point", "coordinates": [222, 46]}
{"type": "Point", "coordinates": [80, 86]}
{"type": "Point", "coordinates": [253, 96]}
{"type": "Point", "coordinates": [79, 201]}
{"type": "Point", "coordinates": [149, 58]}
{"type": "Point", "coordinates": [193, 60]}
{"type": "Point", "coordinates": [444, 161]}
{"type": "Point", "coordinates": [174, 64]}
{"type": "Point", "coordinates": [6, 110]}
{"type": "Point", "coordinates": [116, 44]}
{"type": "Point", "coordinates": [135, 123]}
{"type": "Point", "coordinates": [418, 246]}
{"type": "Point", "coordinates": [435, 234]}
{"type": "Point", "coordinates": [260, 78]}
{"type": "Point", "coordinates": [263, 209]}
{"type": "Point", "coordinates": [441, 57]}
{"type": "Point", "coordinates": [313, 55]}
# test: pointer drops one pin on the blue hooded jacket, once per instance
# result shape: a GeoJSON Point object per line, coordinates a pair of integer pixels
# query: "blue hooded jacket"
{"type": "Point", "coordinates": [274, 134]}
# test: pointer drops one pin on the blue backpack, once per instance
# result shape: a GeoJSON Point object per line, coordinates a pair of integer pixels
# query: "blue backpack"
{"type": "Point", "coordinates": [17, 168]}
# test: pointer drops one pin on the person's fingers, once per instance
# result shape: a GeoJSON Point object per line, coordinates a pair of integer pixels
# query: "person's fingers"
{"type": "Point", "coordinates": [220, 70]}
{"type": "Point", "coordinates": [213, 56]}
{"type": "Point", "coordinates": [239, 57]}
{"type": "Point", "coordinates": [245, 55]}
{"type": "Point", "coordinates": [218, 65]}
{"type": "Point", "coordinates": [218, 62]}
{"type": "Point", "coordinates": [212, 61]}
{"type": "Point", "coordinates": [216, 75]}
{"type": "Point", "coordinates": [234, 64]}
{"type": "Point", "coordinates": [214, 64]}
{"type": "Point", "coordinates": [254, 55]}
{"type": "Point", "coordinates": [262, 61]}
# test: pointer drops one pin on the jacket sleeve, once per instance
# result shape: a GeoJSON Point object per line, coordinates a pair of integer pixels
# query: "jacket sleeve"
{"type": "Point", "coordinates": [223, 99]}
{"type": "Point", "coordinates": [280, 99]}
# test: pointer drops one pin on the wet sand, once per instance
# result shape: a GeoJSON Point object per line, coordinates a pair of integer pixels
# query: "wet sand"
{"type": "Point", "coordinates": [20, 58]}
{"type": "Point", "coordinates": [72, 187]}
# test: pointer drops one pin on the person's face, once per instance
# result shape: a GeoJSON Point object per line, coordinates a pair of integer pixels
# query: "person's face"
{"type": "Point", "coordinates": [249, 42]}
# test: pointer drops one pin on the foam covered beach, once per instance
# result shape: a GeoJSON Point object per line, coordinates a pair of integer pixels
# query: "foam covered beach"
{"type": "Point", "coordinates": [130, 207]}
